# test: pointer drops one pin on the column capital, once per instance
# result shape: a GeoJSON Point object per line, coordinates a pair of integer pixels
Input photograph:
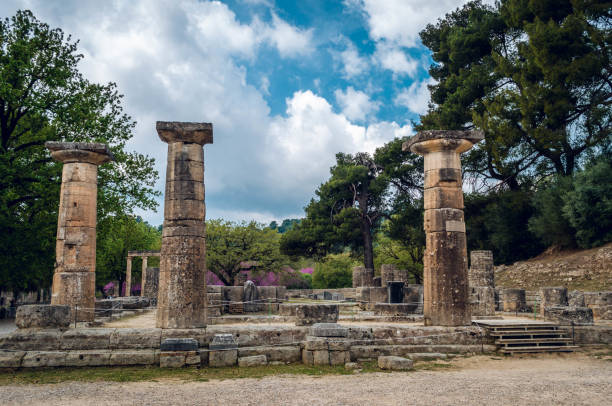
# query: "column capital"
{"type": "Point", "coordinates": [177, 131]}
{"type": "Point", "coordinates": [442, 140]}
{"type": "Point", "coordinates": [88, 152]}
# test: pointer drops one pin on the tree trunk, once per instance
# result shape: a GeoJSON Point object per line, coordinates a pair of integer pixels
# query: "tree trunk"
{"type": "Point", "coordinates": [368, 251]}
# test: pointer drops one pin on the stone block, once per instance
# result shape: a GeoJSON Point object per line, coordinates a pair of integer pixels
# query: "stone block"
{"type": "Point", "coordinates": [395, 309]}
{"type": "Point", "coordinates": [482, 301]}
{"type": "Point", "coordinates": [316, 344]}
{"type": "Point", "coordinates": [568, 314]}
{"type": "Point", "coordinates": [513, 300]}
{"type": "Point", "coordinates": [223, 341]}
{"type": "Point", "coordinates": [339, 357]}
{"type": "Point", "coordinates": [575, 298]}
{"type": "Point", "coordinates": [320, 357]}
{"type": "Point", "coordinates": [328, 330]}
{"type": "Point", "coordinates": [88, 358]}
{"type": "Point", "coordinates": [395, 363]}
{"type": "Point", "coordinates": [86, 339]}
{"type": "Point", "coordinates": [222, 358]}
{"type": "Point", "coordinates": [36, 359]}
{"type": "Point", "coordinates": [442, 177]}
{"type": "Point", "coordinates": [307, 357]}
{"type": "Point", "coordinates": [308, 314]}
{"type": "Point", "coordinates": [436, 220]}
{"type": "Point", "coordinates": [42, 340]}
{"type": "Point", "coordinates": [11, 359]}
{"type": "Point", "coordinates": [443, 197]}
{"type": "Point", "coordinates": [555, 296]}
{"type": "Point", "coordinates": [252, 361]}
{"type": "Point", "coordinates": [179, 344]}
{"type": "Point", "coordinates": [43, 316]}
{"type": "Point", "coordinates": [134, 357]}
{"type": "Point", "coordinates": [178, 359]}
{"type": "Point", "coordinates": [338, 345]}
{"type": "Point", "coordinates": [137, 338]}
{"type": "Point", "coordinates": [199, 334]}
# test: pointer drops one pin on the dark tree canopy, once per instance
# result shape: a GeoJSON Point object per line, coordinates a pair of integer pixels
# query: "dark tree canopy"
{"type": "Point", "coordinates": [536, 76]}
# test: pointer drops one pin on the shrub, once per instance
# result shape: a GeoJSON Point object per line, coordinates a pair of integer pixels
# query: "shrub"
{"type": "Point", "coordinates": [335, 271]}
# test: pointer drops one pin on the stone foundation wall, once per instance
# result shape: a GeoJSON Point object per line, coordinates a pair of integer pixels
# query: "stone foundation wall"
{"type": "Point", "coordinates": [9, 301]}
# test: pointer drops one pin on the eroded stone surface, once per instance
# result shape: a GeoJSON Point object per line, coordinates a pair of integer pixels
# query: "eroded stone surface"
{"type": "Point", "coordinates": [445, 261]}
{"type": "Point", "coordinates": [395, 363]}
{"type": "Point", "coordinates": [308, 314]}
{"type": "Point", "coordinates": [75, 253]}
{"type": "Point", "coordinates": [182, 297]}
{"type": "Point", "coordinates": [43, 316]}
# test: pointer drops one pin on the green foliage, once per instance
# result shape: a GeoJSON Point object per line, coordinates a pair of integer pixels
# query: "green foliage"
{"type": "Point", "coordinates": [405, 253]}
{"type": "Point", "coordinates": [115, 237]}
{"type": "Point", "coordinates": [588, 206]}
{"type": "Point", "coordinates": [498, 221]}
{"type": "Point", "coordinates": [548, 222]}
{"type": "Point", "coordinates": [535, 76]}
{"type": "Point", "coordinates": [285, 226]}
{"type": "Point", "coordinates": [229, 244]}
{"type": "Point", "coordinates": [45, 98]}
{"type": "Point", "coordinates": [335, 271]}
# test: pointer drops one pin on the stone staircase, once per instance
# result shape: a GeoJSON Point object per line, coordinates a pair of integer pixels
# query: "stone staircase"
{"type": "Point", "coordinates": [515, 337]}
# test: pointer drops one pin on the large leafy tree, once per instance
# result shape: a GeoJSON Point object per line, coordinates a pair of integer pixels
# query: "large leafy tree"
{"type": "Point", "coordinates": [44, 97]}
{"type": "Point", "coordinates": [229, 245]}
{"type": "Point", "coordinates": [536, 76]}
{"type": "Point", "coordinates": [349, 208]}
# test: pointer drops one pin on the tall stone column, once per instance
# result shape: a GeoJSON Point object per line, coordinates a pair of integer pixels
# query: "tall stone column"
{"type": "Point", "coordinates": [445, 275]}
{"type": "Point", "coordinates": [74, 278]}
{"type": "Point", "coordinates": [182, 297]}
{"type": "Point", "coordinates": [128, 277]}
{"type": "Point", "coordinates": [143, 275]}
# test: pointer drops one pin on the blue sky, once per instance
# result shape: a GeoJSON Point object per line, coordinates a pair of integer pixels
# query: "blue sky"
{"type": "Point", "coordinates": [286, 84]}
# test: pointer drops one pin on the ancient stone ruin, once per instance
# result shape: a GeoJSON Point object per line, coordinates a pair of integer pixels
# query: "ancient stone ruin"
{"type": "Point", "coordinates": [446, 293]}
{"type": "Point", "coordinates": [74, 278]}
{"type": "Point", "coordinates": [482, 283]}
{"type": "Point", "coordinates": [182, 277]}
{"type": "Point", "coordinates": [128, 272]}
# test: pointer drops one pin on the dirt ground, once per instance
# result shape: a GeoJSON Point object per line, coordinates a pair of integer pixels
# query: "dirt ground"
{"type": "Point", "coordinates": [576, 379]}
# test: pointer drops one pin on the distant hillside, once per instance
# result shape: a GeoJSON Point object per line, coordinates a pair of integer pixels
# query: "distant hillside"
{"type": "Point", "coordinates": [588, 270]}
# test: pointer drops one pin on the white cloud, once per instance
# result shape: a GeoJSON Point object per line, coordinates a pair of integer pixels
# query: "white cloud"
{"type": "Point", "coordinates": [416, 97]}
{"type": "Point", "coordinates": [355, 104]}
{"type": "Point", "coordinates": [352, 64]}
{"type": "Point", "coordinates": [393, 58]}
{"type": "Point", "coordinates": [289, 40]}
{"type": "Point", "coordinates": [302, 146]}
{"type": "Point", "coordinates": [400, 21]}
{"type": "Point", "coordinates": [182, 61]}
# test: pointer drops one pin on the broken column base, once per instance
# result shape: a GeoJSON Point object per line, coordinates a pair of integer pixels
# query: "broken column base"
{"type": "Point", "coordinates": [43, 316]}
{"type": "Point", "coordinates": [327, 345]}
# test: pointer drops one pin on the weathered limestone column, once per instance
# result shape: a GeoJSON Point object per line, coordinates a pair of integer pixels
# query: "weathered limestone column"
{"type": "Point", "coordinates": [481, 272]}
{"type": "Point", "coordinates": [74, 278]}
{"type": "Point", "coordinates": [128, 277]}
{"type": "Point", "coordinates": [143, 275]}
{"type": "Point", "coordinates": [445, 278]}
{"type": "Point", "coordinates": [182, 275]}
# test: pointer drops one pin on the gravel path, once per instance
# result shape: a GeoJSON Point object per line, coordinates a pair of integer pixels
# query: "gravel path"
{"type": "Point", "coordinates": [544, 380]}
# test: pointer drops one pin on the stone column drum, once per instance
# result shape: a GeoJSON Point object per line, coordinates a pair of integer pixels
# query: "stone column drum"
{"type": "Point", "coordinates": [128, 278]}
{"type": "Point", "coordinates": [182, 297]}
{"type": "Point", "coordinates": [445, 279]}
{"type": "Point", "coordinates": [74, 278]}
{"type": "Point", "coordinates": [481, 271]}
{"type": "Point", "coordinates": [143, 275]}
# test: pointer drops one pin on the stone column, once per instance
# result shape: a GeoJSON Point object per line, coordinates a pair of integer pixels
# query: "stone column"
{"type": "Point", "coordinates": [445, 278]}
{"type": "Point", "coordinates": [74, 278]}
{"type": "Point", "coordinates": [128, 278]}
{"type": "Point", "coordinates": [182, 297]}
{"type": "Point", "coordinates": [143, 275]}
{"type": "Point", "coordinates": [481, 271]}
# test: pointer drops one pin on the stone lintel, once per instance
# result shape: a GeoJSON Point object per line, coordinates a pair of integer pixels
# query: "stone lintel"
{"type": "Point", "coordinates": [176, 131]}
{"type": "Point", "coordinates": [144, 254]}
{"type": "Point", "coordinates": [90, 152]}
{"type": "Point", "coordinates": [450, 139]}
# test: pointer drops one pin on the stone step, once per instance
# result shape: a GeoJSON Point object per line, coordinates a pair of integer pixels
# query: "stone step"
{"type": "Point", "coordinates": [514, 350]}
{"type": "Point", "coordinates": [534, 340]}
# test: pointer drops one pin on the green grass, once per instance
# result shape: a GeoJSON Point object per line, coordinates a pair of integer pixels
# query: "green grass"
{"type": "Point", "coordinates": [153, 374]}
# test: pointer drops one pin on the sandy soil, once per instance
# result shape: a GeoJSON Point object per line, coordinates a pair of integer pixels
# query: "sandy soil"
{"type": "Point", "coordinates": [576, 379]}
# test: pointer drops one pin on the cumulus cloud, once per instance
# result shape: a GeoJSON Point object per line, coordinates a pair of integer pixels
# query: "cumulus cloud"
{"type": "Point", "coordinates": [303, 144]}
{"type": "Point", "coordinates": [395, 59]}
{"type": "Point", "coordinates": [188, 61]}
{"type": "Point", "coordinates": [416, 97]}
{"type": "Point", "coordinates": [356, 105]}
{"type": "Point", "coordinates": [352, 63]}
